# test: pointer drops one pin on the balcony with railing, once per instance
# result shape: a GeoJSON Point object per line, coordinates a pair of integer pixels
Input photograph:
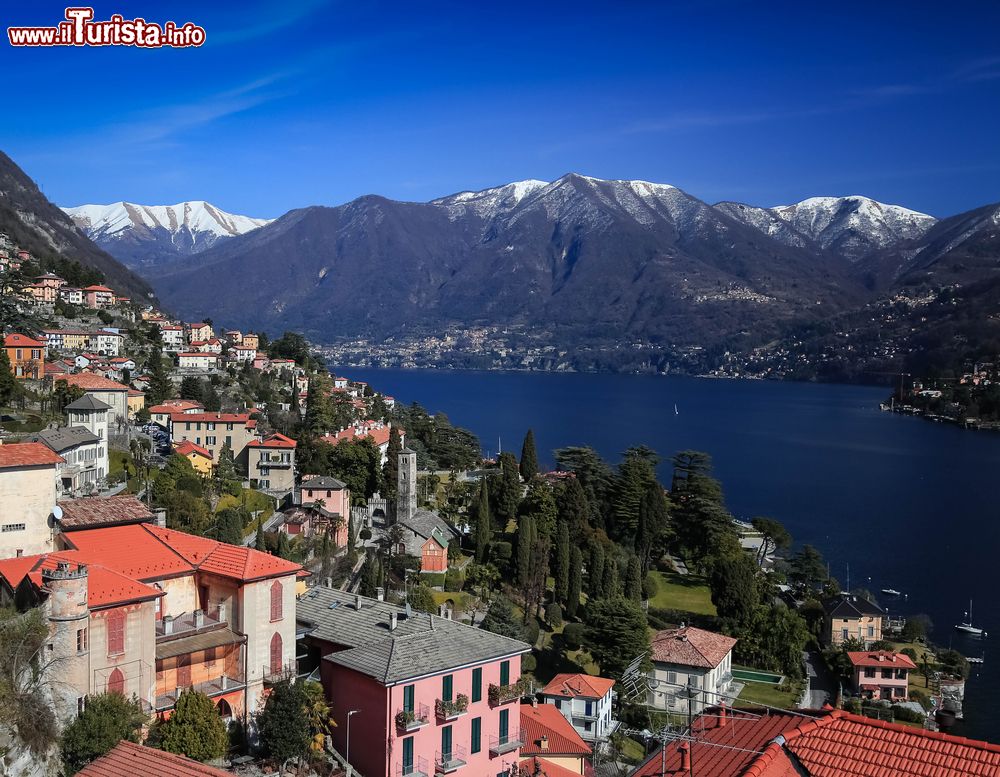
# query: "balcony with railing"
{"type": "Point", "coordinates": [417, 769]}
{"type": "Point", "coordinates": [502, 694]}
{"type": "Point", "coordinates": [449, 710]}
{"type": "Point", "coordinates": [446, 763]}
{"type": "Point", "coordinates": [214, 687]}
{"type": "Point", "coordinates": [276, 674]}
{"type": "Point", "coordinates": [506, 743]}
{"type": "Point", "coordinates": [411, 720]}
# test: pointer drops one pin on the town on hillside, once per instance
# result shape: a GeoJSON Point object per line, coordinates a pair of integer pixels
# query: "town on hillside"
{"type": "Point", "coordinates": [217, 558]}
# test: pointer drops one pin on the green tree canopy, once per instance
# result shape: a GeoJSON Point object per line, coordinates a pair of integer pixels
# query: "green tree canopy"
{"type": "Point", "coordinates": [107, 719]}
{"type": "Point", "coordinates": [508, 495]}
{"type": "Point", "coordinates": [529, 457]}
{"type": "Point", "coordinates": [194, 728]}
{"type": "Point", "coordinates": [615, 634]}
{"type": "Point", "coordinates": [733, 581]}
{"type": "Point", "coordinates": [500, 619]}
{"type": "Point", "coordinates": [284, 722]}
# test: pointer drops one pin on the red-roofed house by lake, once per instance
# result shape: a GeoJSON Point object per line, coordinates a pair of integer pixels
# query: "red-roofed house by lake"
{"type": "Point", "coordinates": [690, 660]}
{"type": "Point", "coordinates": [585, 701]}
{"type": "Point", "coordinates": [155, 611]}
{"type": "Point", "coordinates": [881, 674]}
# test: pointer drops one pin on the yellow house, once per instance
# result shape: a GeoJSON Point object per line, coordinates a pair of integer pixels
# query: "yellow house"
{"type": "Point", "coordinates": [136, 402]}
{"type": "Point", "coordinates": [200, 458]}
{"type": "Point", "coordinates": [851, 617]}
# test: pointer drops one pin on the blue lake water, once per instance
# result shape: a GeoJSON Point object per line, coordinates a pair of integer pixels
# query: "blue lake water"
{"type": "Point", "coordinates": [908, 504]}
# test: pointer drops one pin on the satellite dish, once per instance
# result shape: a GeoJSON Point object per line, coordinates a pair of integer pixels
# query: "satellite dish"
{"type": "Point", "coordinates": [57, 512]}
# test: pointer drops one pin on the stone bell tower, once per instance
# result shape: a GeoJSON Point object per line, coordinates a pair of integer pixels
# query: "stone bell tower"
{"type": "Point", "coordinates": [406, 485]}
{"type": "Point", "coordinates": [68, 614]}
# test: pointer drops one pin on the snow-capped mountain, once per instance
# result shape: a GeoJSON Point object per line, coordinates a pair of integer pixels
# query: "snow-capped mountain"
{"type": "Point", "coordinates": [854, 226]}
{"type": "Point", "coordinates": [155, 234]}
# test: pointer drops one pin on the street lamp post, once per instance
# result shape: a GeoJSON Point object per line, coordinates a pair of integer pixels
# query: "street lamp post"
{"type": "Point", "coordinates": [348, 754]}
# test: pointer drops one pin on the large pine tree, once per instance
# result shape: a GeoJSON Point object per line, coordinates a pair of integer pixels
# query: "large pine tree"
{"type": "Point", "coordinates": [561, 568]}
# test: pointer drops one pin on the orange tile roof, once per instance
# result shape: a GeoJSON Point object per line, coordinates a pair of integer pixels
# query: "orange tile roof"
{"type": "Point", "coordinates": [885, 659]}
{"type": "Point", "coordinates": [578, 685]}
{"type": "Point", "coordinates": [27, 454]}
{"type": "Point", "coordinates": [225, 418]}
{"type": "Point", "coordinates": [97, 288]}
{"type": "Point", "coordinates": [690, 646]}
{"type": "Point", "coordinates": [21, 341]}
{"type": "Point", "coordinates": [148, 552]}
{"type": "Point", "coordinates": [128, 759]}
{"type": "Point", "coordinates": [545, 720]}
{"type": "Point", "coordinates": [90, 382]}
{"type": "Point", "coordinates": [186, 447]}
{"type": "Point", "coordinates": [274, 440]}
{"type": "Point", "coordinates": [173, 405]}
{"type": "Point", "coordinates": [105, 587]}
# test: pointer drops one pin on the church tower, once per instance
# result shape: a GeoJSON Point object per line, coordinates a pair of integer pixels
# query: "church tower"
{"type": "Point", "coordinates": [406, 485]}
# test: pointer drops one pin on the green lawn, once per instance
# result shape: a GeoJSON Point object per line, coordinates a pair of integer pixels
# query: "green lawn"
{"type": "Point", "coordinates": [463, 601]}
{"type": "Point", "coordinates": [688, 593]}
{"type": "Point", "coordinates": [32, 422]}
{"type": "Point", "coordinates": [255, 501]}
{"type": "Point", "coordinates": [785, 697]}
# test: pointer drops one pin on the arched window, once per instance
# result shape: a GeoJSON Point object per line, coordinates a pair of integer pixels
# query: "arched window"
{"type": "Point", "coordinates": [116, 682]}
{"type": "Point", "coordinates": [276, 592]}
{"type": "Point", "coordinates": [116, 632]}
{"type": "Point", "coordinates": [225, 711]}
{"type": "Point", "coordinates": [276, 654]}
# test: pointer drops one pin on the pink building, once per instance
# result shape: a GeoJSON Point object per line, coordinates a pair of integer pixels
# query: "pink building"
{"type": "Point", "coordinates": [336, 501]}
{"type": "Point", "coordinates": [442, 696]}
{"type": "Point", "coordinates": [881, 674]}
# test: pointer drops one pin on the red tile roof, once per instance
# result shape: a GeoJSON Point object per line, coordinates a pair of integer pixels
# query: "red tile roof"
{"type": "Point", "coordinates": [105, 587]}
{"type": "Point", "coordinates": [148, 552]}
{"type": "Point", "coordinates": [128, 759]}
{"type": "Point", "coordinates": [378, 434]}
{"type": "Point", "coordinates": [174, 405]}
{"type": "Point", "coordinates": [544, 720]}
{"type": "Point", "coordinates": [225, 418]}
{"type": "Point", "coordinates": [578, 685]}
{"type": "Point", "coordinates": [96, 511]}
{"type": "Point", "coordinates": [21, 341]}
{"type": "Point", "coordinates": [97, 288]}
{"type": "Point", "coordinates": [90, 382]}
{"type": "Point", "coordinates": [885, 659]}
{"type": "Point", "coordinates": [690, 646]}
{"type": "Point", "coordinates": [27, 454]}
{"type": "Point", "coordinates": [726, 750]}
{"type": "Point", "coordinates": [186, 448]}
{"type": "Point", "coordinates": [834, 744]}
{"type": "Point", "coordinates": [274, 440]}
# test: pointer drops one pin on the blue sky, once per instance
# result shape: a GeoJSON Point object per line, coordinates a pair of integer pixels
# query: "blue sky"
{"type": "Point", "coordinates": [317, 102]}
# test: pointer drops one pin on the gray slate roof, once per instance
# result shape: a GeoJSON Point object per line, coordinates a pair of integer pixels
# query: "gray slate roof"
{"type": "Point", "coordinates": [421, 644]}
{"type": "Point", "coordinates": [323, 482]}
{"type": "Point", "coordinates": [851, 607]}
{"type": "Point", "coordinates": [424, 522]}
{"type": "Point", "coordinates": [65, 438]}
{"type": "Point", "coordinates": [88, 402]}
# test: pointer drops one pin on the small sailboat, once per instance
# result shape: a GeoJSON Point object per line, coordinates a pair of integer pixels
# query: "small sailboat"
{"type": "Point", "coordinates": [675, 410]}
{"type": "Point", "coordinates": [891, 592]}
{"type": "Point", "coordinates": [966, 626]}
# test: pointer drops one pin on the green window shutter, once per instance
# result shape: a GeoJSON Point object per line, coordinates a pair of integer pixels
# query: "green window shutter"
{"type": "Point", "coordinates": [505, 673]}
{"type": "Point", "coordinates": [446, 742]}
{"type": "Point", "coordinates": [477, 684]}
{"type": "Point", "coordinates": [504, 724]}
{"type": "Point", "coordinates": [446, 687]}
{"type": "Point", "coordinates": [407, 754]}
{"type": "Point", "coordinates": [408, 698]}
{"type": "Point", "coordinates": [477, 735]}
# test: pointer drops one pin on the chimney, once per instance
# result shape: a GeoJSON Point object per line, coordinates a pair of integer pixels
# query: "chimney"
{"type": "Point", "coordinates": [357, 602]}
{"type": "Point", "coordinates": [222, 612]}
{"type": "Point", "coordinates": [723, 720]}
{"type": "Point", "coordinates": [393, 618]}
{"type": "Point", "coordinates": [160, 517]}
{"type": "Point", "coordinates": [199, 619]}
{"type": "Point", "coordinates": [685, 750]}
{"type": "Point", "coordinates": [168, 624]}
{"type": "Point", "coordinates": [329, 582]}
{"type": "Point", "coordinates": [543, 743]}
{"type": "Point", "coordinates": [534, 701]}
{"type": "Point", "coordinates": [380, 593]}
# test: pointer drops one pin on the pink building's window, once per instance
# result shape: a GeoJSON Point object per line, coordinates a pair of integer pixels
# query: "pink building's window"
{"type": "Point", "coordinates": [116, 633]}
{"type": "Point", "coordinates": [276, 592]}
{"type": "Point", "coordinates": [116, 682]}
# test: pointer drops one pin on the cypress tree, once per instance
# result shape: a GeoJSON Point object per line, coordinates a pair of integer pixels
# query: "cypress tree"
{"type": "Point", "coordinates": [509, 495]}
{"type": "Point", "coordinates": [572, 505]}
{"type": "Point", "coordinates": [575, 582]}
{"type": "Point", "coordinates": [612, 584]}
{"type": "Point", "coordinates": [595, 572]}
{"type": "Point", "coordinates": [529, 457]}
{"type": "Point", "coordinates": [258, 541]}
{"type": "Point", "coordinates": [562, 564]}
{"type": "Point", "coordinates": [633, 580]}
{"type": "Point", "coordinates": [484, 530]}
{"type": "Point", "coordinates": [8, 383]}
{"type": "Point", "coordinates": [525, 541]}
